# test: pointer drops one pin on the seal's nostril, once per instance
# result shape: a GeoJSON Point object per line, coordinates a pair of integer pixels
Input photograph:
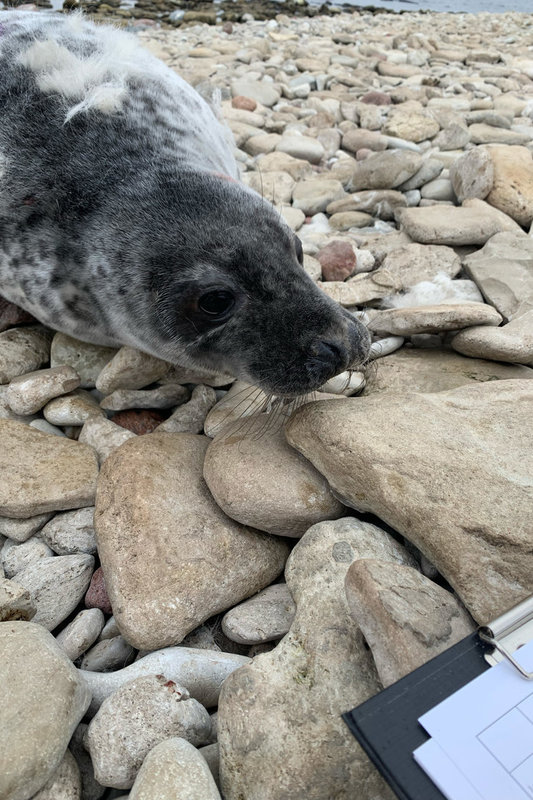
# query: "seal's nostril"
{"type": "Point", "coordinates": [328, 352]}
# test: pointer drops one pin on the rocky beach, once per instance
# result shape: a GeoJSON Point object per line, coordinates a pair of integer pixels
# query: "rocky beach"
{"type": "Point", "coordinates": [198, 579]}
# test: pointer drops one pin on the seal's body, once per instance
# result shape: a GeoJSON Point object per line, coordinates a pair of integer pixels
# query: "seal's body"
{"type": "Point", "coordinates": [122, 220]}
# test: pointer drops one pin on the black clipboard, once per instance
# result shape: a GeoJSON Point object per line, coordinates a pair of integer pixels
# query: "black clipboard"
{"type": "Point", "coordinates": [387, 727]}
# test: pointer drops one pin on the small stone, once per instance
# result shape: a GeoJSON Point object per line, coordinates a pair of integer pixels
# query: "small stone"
{"type": "Point", "coordinates": [472, 174]}
{"type": "Point", "coordinates": [297, 168]}
{"type": "Point", "coordinates": [130, 369]}
{"type": "Point", "coordinates": [294, 217]}
{"type": "Point", "coordinates": [11, 315]}
{"type": "Point", "coordinates": [51, 693]}
{"type": "Point", "coordinates": [275, 186]}
{"type": "Point", "coordinates": [104, 436]}
{"type": "Point", "coordinates": [473, 223]}
{"type": "Point", "coordinates": [357, 139]}
{"type": "Point", "coordinates": [81, 633]}
{"type": "Point", "coordinates": [512, 188]}
{"type": "Point", "coordinates": [17, 556]}
{"type": "Point", "coordinates": [183, 375]}
{"type": "Point", "coordinates": [56, 585]}
{"type": "Point", "coordinates": [190, 417]}
{"type": "Point", "coordinates": [385, 170]}
{"type": "Point", "coordinates": [29, 393]}
{"type": "Point", "coordinates": [380, 203]}
{"type": "Point", "coordinates": [210, 753]}
{"type": "Point", "coordinates": [65, 783]}
{"type": "Point", "coordinates": [15, 602]}
{"type": "Point", "coordinates": [88, 360]}
{"type": "Point", "coordinates": [482, 133]}
{"type": "Point", "coordinates": [23, 350]}
{"type": "Point", "coordinates": [263, 143]}
{"type": "Point", "coordinates": [512, 342]}
{"type": "Point", "coordinates": [376, 98]}
{"type": "Point", "coordinates": [174, 770]}
{"type": "Point", "coordinates": [91, 789]}
{"type": "Point", "coordinates": [246, 103]}
{"type": "Point", "coordinates": [431, 168]}
{"type": "Point", "coordinates": [438, 189]}
{"type": "Point", "coordinates": [72, 409]}
{"type": "Point", "coordinates": [43, 473]}
{"type": "Point", "coordinates": [108, 655]}
{"type": "Point", "coordinates": [345, 383]}
{"type": "Point", "coordinates": [259, 481]}
{"type": "Point", "coordinates": [453, 137]}
{"type": "Point", "coordinates": [265, 617]}
{"type": "Point", "coordinates": [21, 529]}
{"type": "Point", "coordinates": [97, 596]}
{"type": "Point", "coordinates": [202, 671]}
{"type": "Point", "coordinates": [109, 630]}
{"type": "Point", "coordinates": [263, 93]}
{"type": "Point", "coordinates": [45, 427]}
{"type": "Point", "coordinates": [166, 396]}
{"type": "Point", "coordinates": [503, 271]}
{"type": "Point", "coordinates": [405, 618]}
{"type": "Point", "coordinates": [411, 126]}
{"type": "Point", "coordinates": [138, 422]}
{"type": "Point", "coordinates": [346, 220]}
{"type": "Point", "coordinates": [384, 347]}
{"type": "Point", "coordinates": [136, 718]}
{"type": "Point", "coordinates": [314, 195]}
{"type": "Point", "coordinates": [432, 319]}
{"type": "Point", "coordinates": [71, 532]}
{"type": "Point", "coordinates": [337, 260]}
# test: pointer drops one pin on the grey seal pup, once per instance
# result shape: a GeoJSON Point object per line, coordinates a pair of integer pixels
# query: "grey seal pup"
{"type": "Point", "coordinates": [122, 219]}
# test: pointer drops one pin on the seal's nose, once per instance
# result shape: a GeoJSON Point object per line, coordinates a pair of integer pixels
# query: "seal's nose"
{"type": "Point", "coordinates": [325, 359]}
{"type": "Point", "coordinates": [329, 353]}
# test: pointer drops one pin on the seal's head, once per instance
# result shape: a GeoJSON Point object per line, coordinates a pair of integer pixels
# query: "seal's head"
{"type": "Point", "coordinates": [227, 289]}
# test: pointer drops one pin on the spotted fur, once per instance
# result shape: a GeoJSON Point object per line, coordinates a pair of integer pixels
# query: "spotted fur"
{"type": "Point", "coordinates": [116, 213]}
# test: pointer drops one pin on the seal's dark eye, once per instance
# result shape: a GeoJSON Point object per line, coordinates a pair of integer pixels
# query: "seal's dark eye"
{"type": "Point", "coordinates": [299, 250]}
{"type": "Point", "coordinates": [216, 303]}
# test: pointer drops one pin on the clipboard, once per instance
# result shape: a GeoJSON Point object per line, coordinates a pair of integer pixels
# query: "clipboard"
{"type": "Point", "coordinates": [386, 725]}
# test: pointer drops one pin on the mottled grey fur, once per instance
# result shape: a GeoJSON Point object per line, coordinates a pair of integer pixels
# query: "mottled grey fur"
{"type": "Point", "coordinates": [115, 215]}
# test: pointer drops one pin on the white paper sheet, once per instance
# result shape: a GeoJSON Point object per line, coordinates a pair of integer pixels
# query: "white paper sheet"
{"type": "Point", "coordinates": [482, 736]}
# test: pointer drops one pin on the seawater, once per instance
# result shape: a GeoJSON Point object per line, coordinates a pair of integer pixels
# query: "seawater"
{"type": "Point", "coordinates": [472, 7]}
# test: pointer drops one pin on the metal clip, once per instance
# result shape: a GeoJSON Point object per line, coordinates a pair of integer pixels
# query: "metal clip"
{"type": "Point", "coordinates": [509, 632]}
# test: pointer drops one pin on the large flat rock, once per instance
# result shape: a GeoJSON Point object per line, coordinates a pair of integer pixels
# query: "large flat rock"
{"type": "Point", "coordinates": [428, 370]}
{"type": "Point", "coordinates": [170, 556]}
{"type": "Point", "coordinates": [472, 223]}
{"type": "Point", "coordinates": [451, 471]}
{"type": "Point", "coordinates": [503, 271]}
{"type": "Point", "coordinates": [43, 473]}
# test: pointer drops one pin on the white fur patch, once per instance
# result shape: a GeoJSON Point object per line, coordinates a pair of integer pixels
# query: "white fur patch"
{"type": "Point", "coordinates": [97, 81]}
{"type": "Point", "coordinates": [442, 289]}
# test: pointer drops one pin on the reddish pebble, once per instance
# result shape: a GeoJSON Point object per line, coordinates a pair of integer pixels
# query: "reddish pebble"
{"type": "Point", "coordinates": [363, 153]}
{"type": "Point", "coordinates": [11, 315]}
{"type": "Point", "coordinates": [377, 99]}
{"type": "Point", "coordinates": [227, 27]}
{"type": "Point", "coordinates": [337, 260]}
{"type": "Point", "coordinates": [246, 103]}
{"type": "Point", "coordinates": [139, 422]}
{"type": "Point", "coordinates": [96, 596]}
